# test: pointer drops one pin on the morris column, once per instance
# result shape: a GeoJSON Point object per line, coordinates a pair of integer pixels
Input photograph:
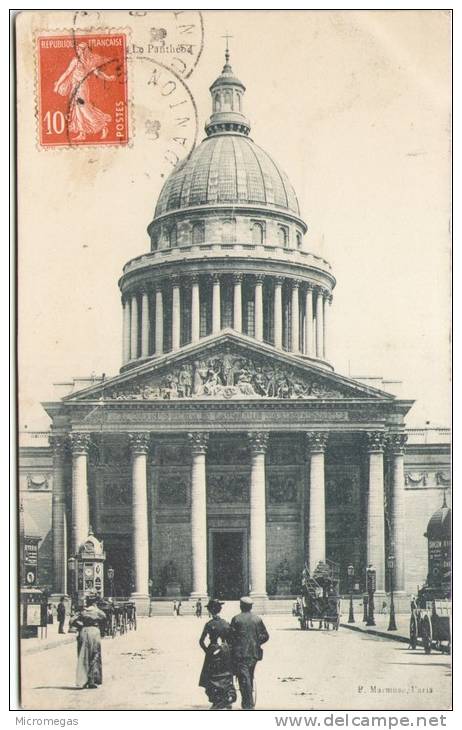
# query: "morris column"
{"type": "Point", "coordinates": [139, 445]}
{"type": "Point", "coordinates": [258, 441]}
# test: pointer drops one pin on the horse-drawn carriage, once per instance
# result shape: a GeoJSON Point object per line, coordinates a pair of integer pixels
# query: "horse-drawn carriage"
{"type": "Point", "coordinates": [320, 604]}
{"type": "Point", "coordinates": [431, 610]}
{"type": "Point", "coordinates": [430, 622]}
{"type": "Point", "coordinates": [120, 617]}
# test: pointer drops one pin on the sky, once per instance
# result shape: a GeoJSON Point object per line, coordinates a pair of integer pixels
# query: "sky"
{"type": "Point", "coordinates": [353, 105]}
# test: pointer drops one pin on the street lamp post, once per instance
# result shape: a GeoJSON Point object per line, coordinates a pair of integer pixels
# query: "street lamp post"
{"type": "Point", "coordinates": [110, 575]}
{"type": "Point", "coordinates": [392, 622]}
{"type": "Point", "coordinates": [351, 573]}
{"type": "Point", "coordinates": [371, 578]}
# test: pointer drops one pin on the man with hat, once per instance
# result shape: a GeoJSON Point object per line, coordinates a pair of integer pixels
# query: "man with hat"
{"type": "Point", "coordinates": [248, 634]}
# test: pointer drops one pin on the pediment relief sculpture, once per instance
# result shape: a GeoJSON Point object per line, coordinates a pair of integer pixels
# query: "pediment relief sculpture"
{"type": "Point", "coordinates": [225, 375]}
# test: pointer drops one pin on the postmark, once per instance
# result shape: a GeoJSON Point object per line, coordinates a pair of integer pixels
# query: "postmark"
{"type": "Point", "coordinates": [167, 121]}
{"type": "Point", "coordinates": [82, 89]}
{"type": "Point", "coordinates": [174, 38]}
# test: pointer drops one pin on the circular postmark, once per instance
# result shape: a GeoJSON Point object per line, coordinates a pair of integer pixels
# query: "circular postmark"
{"type": "Point", "coordinates": [166, 115]}
{"type": "Point", "coordinates": [174, 38]}
{"type": "Point", "coordinates": [104, 86]}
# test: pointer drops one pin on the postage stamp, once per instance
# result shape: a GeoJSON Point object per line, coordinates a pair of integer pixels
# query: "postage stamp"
{"type": "Point", "coordinates": [82, 89]}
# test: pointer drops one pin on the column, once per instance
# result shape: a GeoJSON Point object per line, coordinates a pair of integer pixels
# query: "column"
{"type": "Point", "coordinates": [397, 443]}
{"type": "Point", "coordinates": [144, 324]}
{"type": "Point", "coordinates": [295, 311]}
{"type": "Point", "coordinates": [176, 313]}
{"type": "Point", "coordinates": [319, 323]}
{"type": "Point", "coordinates": [375, 507]}
{"type": "Point", "coordinates": [80, 443]}
{"type": "Point", "coordinates": [278, 312]}
{"type": "Point", "coordinates": [195, 309]}
{"type": "Point", "coordinates": [327, 301]}
{"type": "Point", "coordinates": [317, 442]}
{"type": "Point", "coordinates": [258, 441]}
{"type": "Point", "coordinates": [126, 331]}
{"type": "Point", "coordinates": [198, 443]}
{"type": "Point", "coordinates": [58, 517]}
{"type": "Point", "coordinates": [309, 320]}
{"type": "Point", "coordinates": [159, 320]}
{"type": "Point", "coordinates": [259, 307]}
{"type": "Point", "coordinates": [237, 302]}
{"type": "Point", "coordinates": [216, 305]}
{"type": "Point", "coordinates": [134, 328]}
{"type": "Point", "coordinates": [139, 446]}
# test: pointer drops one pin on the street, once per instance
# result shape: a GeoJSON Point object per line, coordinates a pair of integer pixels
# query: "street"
{"type": "Point", "coordinates": [158, 666]}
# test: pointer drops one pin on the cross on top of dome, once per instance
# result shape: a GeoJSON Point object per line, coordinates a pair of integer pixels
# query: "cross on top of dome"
{"type": "Point", "coordinates": [227, 36]}
{"type": "Point", "coordinates": [227, 94]}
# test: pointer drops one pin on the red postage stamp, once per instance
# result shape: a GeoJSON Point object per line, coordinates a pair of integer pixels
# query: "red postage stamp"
{"type": "Point", "coordinates": [82, 89]}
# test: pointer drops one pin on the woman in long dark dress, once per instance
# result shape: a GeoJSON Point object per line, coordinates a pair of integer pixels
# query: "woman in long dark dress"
{"type": "Point", "coordinates": [89, 661]}
{"type": "Point", "coordinates": [217, 672]}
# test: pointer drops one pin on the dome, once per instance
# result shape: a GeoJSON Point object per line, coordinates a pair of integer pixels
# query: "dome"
{"type": "Point", "coordinates": [227, 169]}
{"type": "Point", "coordinates": [439, 525]}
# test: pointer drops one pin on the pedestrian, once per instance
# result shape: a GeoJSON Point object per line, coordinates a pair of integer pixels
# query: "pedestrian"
{"type": "Point", "coordinates": [89, 660]}
{"type": "Point", "coordinates": [178, 608]}
{"type": "Point", "coordinates": [199, 608]}
{"type": "Point", "coordinates": [174, 608]}
{"type": "Point", "coordinates": [248, 635]}
{"type": "Point", "coordinates": [384, 608]}
{"type": "Point", "coordinates": [49, 614]}
{"type": "Point", "coordinates": [217, 671]}
{"type": "Point", "coordinates": [61, 615]}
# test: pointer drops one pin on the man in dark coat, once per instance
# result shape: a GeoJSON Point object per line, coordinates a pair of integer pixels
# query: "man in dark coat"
{"type": "Point", "coordinates": [61, 615]}
{"type": "Point", "coordinates": [248, 634]}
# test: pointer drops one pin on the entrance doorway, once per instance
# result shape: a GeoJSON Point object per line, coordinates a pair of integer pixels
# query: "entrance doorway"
{"type": "Point", "coordinates": [228, 564]}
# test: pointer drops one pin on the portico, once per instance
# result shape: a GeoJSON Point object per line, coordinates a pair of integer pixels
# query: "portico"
{"type": "Point", "coordinates": [280, 472]}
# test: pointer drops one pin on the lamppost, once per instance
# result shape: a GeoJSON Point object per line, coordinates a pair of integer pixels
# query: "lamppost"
{"type": "Point", "coordinates": [392, 623]}
{"type": "Point", "coordinates": [351, 574]}
{"type": "Point", "coordinates": [110, 577]}
{"type": "Point", "coordinates": [72, 566]}
{"type": "Point", "coordinates": [371, 585]}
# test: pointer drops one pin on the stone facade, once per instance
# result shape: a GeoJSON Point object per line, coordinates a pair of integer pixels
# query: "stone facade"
{"type": "Point", "coordinates": [227, 453]}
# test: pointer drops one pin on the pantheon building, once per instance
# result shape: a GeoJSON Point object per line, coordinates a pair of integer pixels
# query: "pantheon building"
{"type": "Point", "coordinates": [228, 452]}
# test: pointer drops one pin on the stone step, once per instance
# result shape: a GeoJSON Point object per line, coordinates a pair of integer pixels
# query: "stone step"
{"type": "Point", "coordinates": [188, 608]}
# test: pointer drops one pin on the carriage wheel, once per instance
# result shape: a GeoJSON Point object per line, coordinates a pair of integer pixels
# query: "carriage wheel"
{"type": "Point", "coordinates": [413, 632]}
{"type": "Point", "coordinates": [426, 633]}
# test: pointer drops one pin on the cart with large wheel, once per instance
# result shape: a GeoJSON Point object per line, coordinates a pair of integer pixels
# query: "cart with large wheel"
{"type": "Point", "coordinates": [320, 603]}
{"type": "Point", "coordinates": [431, 622]}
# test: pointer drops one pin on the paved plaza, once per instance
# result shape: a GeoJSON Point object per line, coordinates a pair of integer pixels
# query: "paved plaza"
{"type": "Point", "coordinates": [157, 667]}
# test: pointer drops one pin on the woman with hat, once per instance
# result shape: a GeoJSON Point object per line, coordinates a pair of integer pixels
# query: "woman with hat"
{"type": "Point", "coordinates": [217, 672]}
{"type": "Point", "coordinates": [89, 662]}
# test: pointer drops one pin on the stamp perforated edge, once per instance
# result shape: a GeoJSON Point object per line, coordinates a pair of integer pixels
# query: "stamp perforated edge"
{"type": "Point", "coordinates": [130, 85]}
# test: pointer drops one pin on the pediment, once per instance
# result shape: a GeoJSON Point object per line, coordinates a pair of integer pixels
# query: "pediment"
{"type": "Point", "coordinates": [228, 367]}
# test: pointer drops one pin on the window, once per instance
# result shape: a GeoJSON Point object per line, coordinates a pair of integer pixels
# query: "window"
{"type": "Point", "coordinates": [197, 233]}
{"type": "Point", "coordinates": [299, 239]}
{"type": "Point", "coordinates": [258, 233]}
{"type": "Point", "coordinates": [283, 236]}
{"type": "Point", "coordinates": [172, 240]}
{"type": "Point", "coordinates": [228, 231]}
{"type": "Point", "coordinates": [228, 100]}
{"type": "Point", "coordinates": [217, 103]}
{"type": "Point", "coordinates": [155, 241]}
